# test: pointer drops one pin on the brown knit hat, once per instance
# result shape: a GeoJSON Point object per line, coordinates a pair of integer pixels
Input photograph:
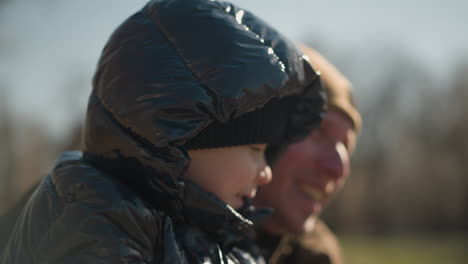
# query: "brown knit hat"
{"type": "Point", "coordinates": [337, 87]}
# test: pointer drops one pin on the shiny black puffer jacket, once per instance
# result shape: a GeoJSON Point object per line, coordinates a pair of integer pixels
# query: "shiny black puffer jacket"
{"type": "Point", "coordinates": [166, 73]}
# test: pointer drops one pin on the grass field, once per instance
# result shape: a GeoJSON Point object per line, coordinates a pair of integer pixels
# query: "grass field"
{"type": "Point", "coordinates": [405, 250]}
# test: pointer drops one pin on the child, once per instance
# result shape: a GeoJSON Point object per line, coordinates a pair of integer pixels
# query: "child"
{"type": "Point", "coordinates": [185, 98]}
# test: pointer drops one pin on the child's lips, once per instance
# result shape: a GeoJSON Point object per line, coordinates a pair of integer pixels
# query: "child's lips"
{"type": "Point", "coordinates": [252, 193]}
{"type": "Point", "coordinates": [249, 195]}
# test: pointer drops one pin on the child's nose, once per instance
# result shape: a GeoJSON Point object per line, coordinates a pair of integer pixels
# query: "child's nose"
{"type": "Point", "coordinates": [264, 176]}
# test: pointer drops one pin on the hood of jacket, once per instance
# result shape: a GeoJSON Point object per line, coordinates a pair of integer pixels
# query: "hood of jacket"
{"type": "Point", "coordinates": [172, 69]}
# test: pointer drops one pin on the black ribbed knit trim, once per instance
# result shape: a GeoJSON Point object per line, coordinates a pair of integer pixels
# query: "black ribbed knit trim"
{"type": "Point", "coordinates": [261, 126]}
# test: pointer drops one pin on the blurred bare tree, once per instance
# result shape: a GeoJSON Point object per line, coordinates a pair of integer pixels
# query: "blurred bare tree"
{"type": "Point", "coordinates": [6, 151]}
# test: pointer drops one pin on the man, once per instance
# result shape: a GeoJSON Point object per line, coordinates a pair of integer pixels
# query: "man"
{"type": "Point", "coordinates": [306, 175]}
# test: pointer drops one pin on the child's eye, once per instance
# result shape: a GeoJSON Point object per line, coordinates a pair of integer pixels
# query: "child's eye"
{"type": "Point", "coordinates": [255, 148]}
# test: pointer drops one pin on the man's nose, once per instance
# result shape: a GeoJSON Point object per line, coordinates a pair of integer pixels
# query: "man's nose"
{"type": "Point", "coordinates": [331, 161]}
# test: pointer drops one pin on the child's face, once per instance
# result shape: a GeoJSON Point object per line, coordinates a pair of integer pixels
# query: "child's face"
{"type": "Point", "coordinates": [230, 173]}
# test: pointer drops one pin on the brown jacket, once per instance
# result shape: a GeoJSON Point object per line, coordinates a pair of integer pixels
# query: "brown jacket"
{"type": "Point", "coordinates": [319, 246]}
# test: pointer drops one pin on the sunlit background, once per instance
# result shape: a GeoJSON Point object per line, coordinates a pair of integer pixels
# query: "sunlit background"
{"type": "Point", "coordinates": [407, 198]}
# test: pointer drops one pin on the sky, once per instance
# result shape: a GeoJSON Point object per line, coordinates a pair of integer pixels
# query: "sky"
{"type": "Point", "coordinates": [49, 48]}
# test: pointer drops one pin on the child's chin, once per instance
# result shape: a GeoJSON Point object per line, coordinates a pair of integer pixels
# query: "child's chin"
{"type": "Point", "coordinates": [236, 203]}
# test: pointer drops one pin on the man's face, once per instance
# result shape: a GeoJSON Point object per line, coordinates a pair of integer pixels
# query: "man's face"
{"type": "Point", "coordinates": [307, 174]}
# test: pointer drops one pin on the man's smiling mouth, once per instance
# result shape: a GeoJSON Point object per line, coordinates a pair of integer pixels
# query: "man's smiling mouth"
{"type": "Point", "coordinates": [312, 192]}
